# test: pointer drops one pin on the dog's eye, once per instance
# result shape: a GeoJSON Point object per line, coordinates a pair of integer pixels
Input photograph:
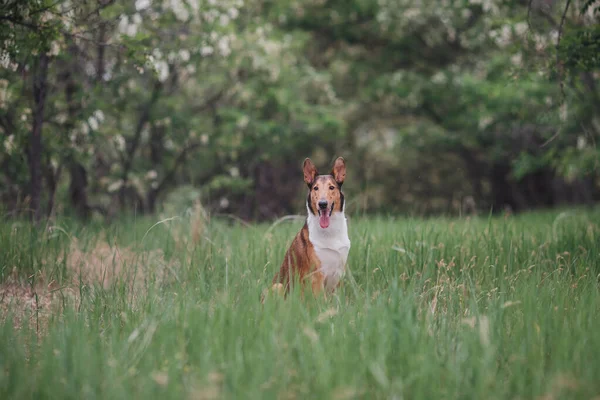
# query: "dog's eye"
{"type": "Point", "coordinates": [316, 188]}
{"type": "Point", "coordinates": [331, 188]}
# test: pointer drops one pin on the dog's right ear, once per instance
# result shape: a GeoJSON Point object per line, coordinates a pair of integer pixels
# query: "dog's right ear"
{"type": "Point", "coordinates": [310, 172]}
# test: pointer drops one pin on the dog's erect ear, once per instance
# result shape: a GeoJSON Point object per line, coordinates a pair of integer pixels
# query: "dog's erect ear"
{"type": "Point", "coordinates": [310, 172]}
{"type": "Point", "coordinates": [339, 170]}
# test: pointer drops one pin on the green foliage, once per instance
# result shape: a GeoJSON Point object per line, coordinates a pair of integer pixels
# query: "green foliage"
{"type": "Point", "coordinates": [181, 200]}
{"type": "Point", "coordinates": [590, 5]}
{"type": "Point", "coordinates": [146, 96]}
{"type": "Point", "coordinates": [28, 27]}
{"type": "Point", "coordinates": [580, 49]}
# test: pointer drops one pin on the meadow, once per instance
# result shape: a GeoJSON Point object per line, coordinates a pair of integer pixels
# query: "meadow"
{"type": "Point", "coordinates": [456, 308]}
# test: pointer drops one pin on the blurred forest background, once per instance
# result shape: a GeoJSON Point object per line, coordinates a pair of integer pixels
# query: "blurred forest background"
{"type": "Point", "coordinates": [438, 106]}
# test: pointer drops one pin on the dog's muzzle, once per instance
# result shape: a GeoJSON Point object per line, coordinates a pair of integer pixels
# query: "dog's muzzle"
{"type": "Point", "coordinates": [323, 208]}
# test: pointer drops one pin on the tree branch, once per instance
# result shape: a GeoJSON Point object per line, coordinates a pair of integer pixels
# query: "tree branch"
{"type": "Point", "coordinates": [35, 150]}
{"type": "Point", "coordinates": [15, 21]}
{"type": "Point", "coordinates": [558, 66]}
{"type": "Point", "coordinates": [543, 13]}
{"type": "Point", "coordinates": [135, 141]}
{"type": "Point", "coordinates": [178, 162]}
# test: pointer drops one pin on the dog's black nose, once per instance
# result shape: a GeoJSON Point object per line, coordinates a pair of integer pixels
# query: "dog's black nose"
{"type": "Point", "coordinates": [323, 204]}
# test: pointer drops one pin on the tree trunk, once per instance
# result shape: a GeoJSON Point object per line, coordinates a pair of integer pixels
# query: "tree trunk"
{"type": "Point", "coordinates": [78, 189]}
{"type": "Point", "coordinates": [475, 170]}
{"type": "Point", "coordinates": [502, 190]}
{"type": "Point", "coordinates": [35, 143]}
{"type": "Point", "coordinates": [101, 50]}
{"type": "Point", "coordinates": [157, 134]}
{"type": "Point", "coordinates": [132, 146]}
{"type": "Point", "coordinates": [169, 177]}
{"type": "Point", "coordinates": [79, 181]}
{"type": "Point", "coordinates": [52, 178]}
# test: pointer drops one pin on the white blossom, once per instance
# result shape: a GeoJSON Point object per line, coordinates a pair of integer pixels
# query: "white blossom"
{"type": "Point", "coordinates": [93, 122]}
{"type": "Point", "coordinates": [439, 77]}
{"type": "Point", "coordinates": [521, 28]}
{"type": "Point", "coordinates": [123, 24]}
{"type": "Point", "coordinates": [151, 175]}
{"type": "Point", "coordinates": [156, 53]}
{"type": "Point", "coordinates": [127, 28]}
{"type": "Point", "coordinates": [116, 185]}
{"type": "Point", "coordinates": [179, 9]}
{"type": "Point", "coordinates": [161, 67]}
{"type": "Point", "coordinates": [233, 13]}
{"type": "Point", "coordinates": [142, 4]}
{"type": "Point", "coordinates": [224, 46]}
{"type": "Point", "coordinates": [224, 20]}
{"type": "Point", "coordinates": [90, 68]}
{"type": "Point", "coordinates": [563, 112]}
{"type": "Point", "coordinates": [54, 49]}
{"type": "Point", "coordinates": [412, 13]}
{"type": "Point", "coordinates": [9, 144]}
{"type": "Point", "coordinates": [243, 122]}
{"type": "Point", "coordinates": [211, 15]}
{"type": "Point", "coordinates": [4, 95]}
{"type": "Point", "coordinates": [99, 115]}
{"type": "Point", "coordinates": [184, 55]}
{"type": "Point", "coordinates": [61, 118]}
{"type": "Point", "coordinates": [485, 122]}
{"type": "Point", "coordinates": [517, 59]}
{"type": "Point", "coordinates": [85, 128]}
{"type": "Point", "coordinates": [119, 142]}
{"type": "Point", "coordinates": [145, 134]}
{"type": "Point", "coordinates": [4, 59]}
{"type": "Point", "coordinates": [206, 50]}
{"type": "Point", "coordinates": [194, 5]}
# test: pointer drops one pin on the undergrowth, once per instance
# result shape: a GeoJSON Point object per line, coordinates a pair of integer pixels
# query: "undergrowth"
{"type": "Point", "coordinates": [502, 307]}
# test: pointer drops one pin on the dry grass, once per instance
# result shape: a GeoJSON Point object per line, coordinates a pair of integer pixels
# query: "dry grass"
{"type": "Point", "coordinates": [34, 305]}
{"type": "Point", "coordinates": [100, 266]}
{"type": "Point", "coordinates": [106, 265]}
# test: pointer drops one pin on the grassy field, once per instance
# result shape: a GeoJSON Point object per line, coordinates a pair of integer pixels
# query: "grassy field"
{"type": "Point", "coordinates": [480, 308]}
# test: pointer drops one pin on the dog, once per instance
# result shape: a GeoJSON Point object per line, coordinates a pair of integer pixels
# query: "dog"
{"type": "Point", "coordinates": [319, 252]}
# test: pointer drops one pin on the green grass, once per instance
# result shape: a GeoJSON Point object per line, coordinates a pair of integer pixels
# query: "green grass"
{"type": "Point", "coordinates": [437, 308]}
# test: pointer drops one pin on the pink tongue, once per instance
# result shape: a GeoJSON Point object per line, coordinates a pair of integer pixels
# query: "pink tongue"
{"type": "Point", "coordinates": [324, 220]}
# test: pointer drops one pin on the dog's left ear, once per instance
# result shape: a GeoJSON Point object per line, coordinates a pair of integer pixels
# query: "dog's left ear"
{"type": "Point", "coordinates": [339, 170]}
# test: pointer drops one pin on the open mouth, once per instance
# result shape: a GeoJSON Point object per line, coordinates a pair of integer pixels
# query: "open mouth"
{"type": "Point", "coordinates": [324, 216]}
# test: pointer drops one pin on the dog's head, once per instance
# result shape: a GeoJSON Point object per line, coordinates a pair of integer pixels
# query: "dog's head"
{"type": "Point", "coordinates": [325, 195]}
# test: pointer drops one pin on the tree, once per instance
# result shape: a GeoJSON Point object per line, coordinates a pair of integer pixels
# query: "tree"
{"type": "Point", "coordinates": [110, 106]}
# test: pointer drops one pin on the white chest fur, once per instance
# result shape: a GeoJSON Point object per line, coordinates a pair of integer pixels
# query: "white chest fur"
{"type": "Point", "coordinates": [331, 246]}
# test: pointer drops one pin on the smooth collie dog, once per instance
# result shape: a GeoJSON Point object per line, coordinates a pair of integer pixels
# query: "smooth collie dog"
{"type": "Point", "coordinates": [319, 251]}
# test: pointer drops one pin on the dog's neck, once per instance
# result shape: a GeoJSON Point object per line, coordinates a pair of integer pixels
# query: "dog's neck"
{"type": "Point", "coordinates": [334, 236]}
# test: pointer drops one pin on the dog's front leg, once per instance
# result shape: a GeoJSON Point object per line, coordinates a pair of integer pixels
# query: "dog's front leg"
{"type": "Point", "coordinates": [318, 283]}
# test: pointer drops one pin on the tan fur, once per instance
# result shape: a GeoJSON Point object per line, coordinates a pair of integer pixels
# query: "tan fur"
{"type": "Point", "coordinates": [300, 262]}
{"type": "Point", "coordinates": [325, 188]}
